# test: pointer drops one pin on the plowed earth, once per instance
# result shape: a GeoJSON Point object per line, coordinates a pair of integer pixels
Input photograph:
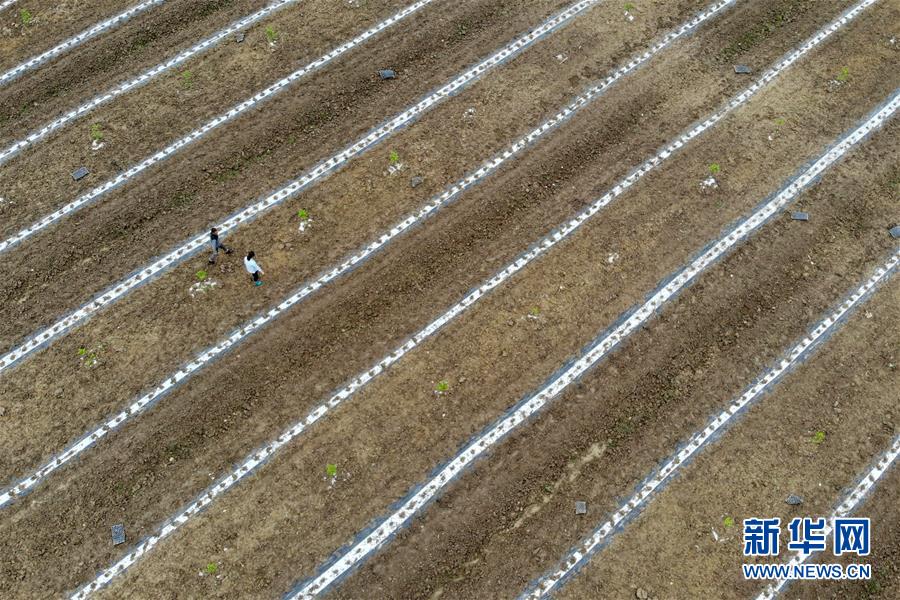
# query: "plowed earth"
{"type": "Point", "coordinates": [509, 519]}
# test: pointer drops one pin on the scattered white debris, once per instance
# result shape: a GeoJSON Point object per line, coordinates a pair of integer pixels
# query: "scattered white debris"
{"type": "Point", "coordinates": [470, 113]}
{"type": "Point", "coordinates": [869, 314]}
{"type": "Point", "coordinates": [612, 257]}
{"type": "Point", "coordinates": [709, 183]}
{"type": "Point", "coordinates": [629, 16]}
{"type": "Point", "coordinates": [97, 145]}
{"type": "Point", "coordinates": [562, 58]}
{"type": "Point", "coordinates": [304, 224]}
{"type": "Point", "coordinates": [201, 287]}
{"type": "Point", "coordinates": [393, 169]}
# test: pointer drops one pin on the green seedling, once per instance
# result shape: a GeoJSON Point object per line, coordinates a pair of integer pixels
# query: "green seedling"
{"type": "Point", "coordinates": [187, 79]}
{"type": "Point", "coordinates": [394, 157]}
{"type": "Point", "coordinates": [89, 357]}
{"type": "Point", "coordinates": [96, 132]}
{"type": "Point", "coordinates": [26, 17]}
{"type": "Point", "coordinates": [629, 6]}
{"type": "Point", "coordinates": [844, 75]}
{"type": "Point", "coordinates": [271, 35]}
{"type": "Point", "coordinates": [818, 437]}
{"type": "Point", "coordinates": [624, 428]}
{"type": "Point", "coordinates": [212, 568]}
{"type": "Point", "coordinates": [182, 200]}
{"type": "Point", "coordinates": [227, 175]}
{"type": "Point", "coordinates": [780, 121]}
{"type": "Point", "coordinates": [442, 386]}
{"type": "Point", "coordinates": [728, 521]}
{"type": "Point", "coordinates": [535, 311]}
{"type": "Point", "coordinates": [201, 275]}
{"type": "Point", "coordinates": [715, 168]}
{"type": "Point", "coordinates": [548, 488]}
{"type": "Point", "coordinates": [303, 214]}
{"type": "Point", "coordinates": [331, 470]}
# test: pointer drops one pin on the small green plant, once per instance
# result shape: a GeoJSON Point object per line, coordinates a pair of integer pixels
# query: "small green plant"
{"type": "Point", "coordinates": [844, 75]}
{"type": "Point", "coordinates": [331, 470]}
{"type": "Point", "coordinates": [182, 200]}
{"type": "Point", "coordinates": [212, 568]}
{"type": "Point", "coordinates": [780, 121]}
{"type": "Point", "coordinates": [89, 357]}
{"type": "Point", "coordinates": [227, 175]}
{"type": "Point", "coordinates": [303, 214]}
{"type": "Point", "coordinates": [818, 437]}
{"type": "Point", "coordinates": [394, 158]}
{"type": "Point", "coordinates": [26, 17]}
{"type": "Point", "coordinates": [728, 521]}
{"type": "Point", "coordinates": [629, 6]}
{"type": "Point", "coordinates": [201, 275]}
{"type": "Point", "coordinates": [271, 35]}
{"type": "Point", "coordinates": [96, 132]}
{"type": "Point", "coordinates": [187, 79]}
{"type": "Point", "coordinates": [535, 311]}
{"type": "Point", "coordinates": [715, 168]}
{"type": "Point", "coordinates": [442, 386]}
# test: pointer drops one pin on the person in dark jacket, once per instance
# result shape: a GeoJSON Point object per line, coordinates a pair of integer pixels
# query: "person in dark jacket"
{"type": "Point", "coordinates": [216, 245]}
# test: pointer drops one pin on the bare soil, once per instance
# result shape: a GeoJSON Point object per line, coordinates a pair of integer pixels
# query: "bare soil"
{"type": "Point", "coordinates": [50, 23]}
{"type": "Point", "coordinates": [846, 391]}
{"type": "Point", "coordinates": [115, 56]}
{"type": "Point", "coordinates": [511, 518]}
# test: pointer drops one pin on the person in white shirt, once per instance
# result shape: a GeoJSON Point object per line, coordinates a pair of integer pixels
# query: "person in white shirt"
{"type": "Point", "coordinates": [253, 268]}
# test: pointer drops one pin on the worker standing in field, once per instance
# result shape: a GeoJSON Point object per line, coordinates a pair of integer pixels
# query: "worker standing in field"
{"type": "Point", "coordinates": [216, 245]}
{"type": "Point", "coordinates": [253, 268]}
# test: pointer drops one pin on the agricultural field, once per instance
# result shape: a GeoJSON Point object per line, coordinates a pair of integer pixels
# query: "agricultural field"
{"type": "Point", "coordinates": [562, 299]}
